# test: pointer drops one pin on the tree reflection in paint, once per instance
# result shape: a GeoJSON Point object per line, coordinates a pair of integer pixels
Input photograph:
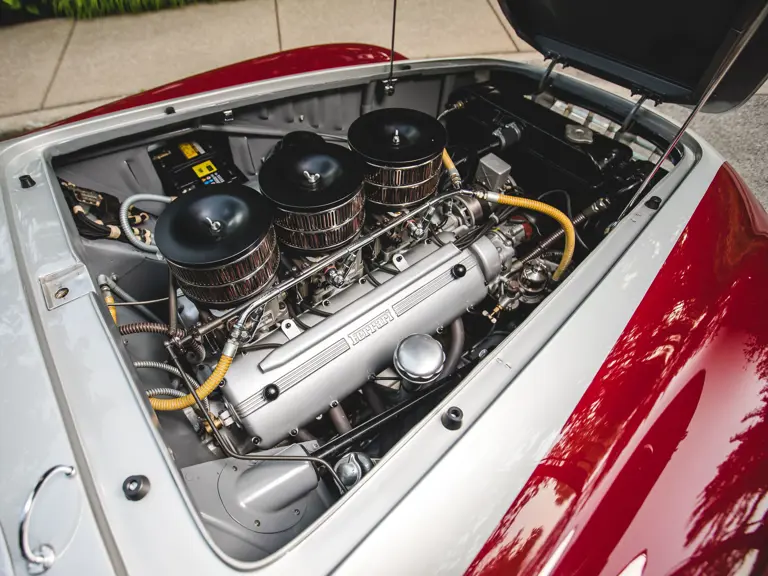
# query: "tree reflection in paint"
{"type": "Point", "coordinates": [710, 291]}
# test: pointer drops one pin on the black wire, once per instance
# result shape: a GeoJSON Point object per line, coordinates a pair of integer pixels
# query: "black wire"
{"type": "Point", "coordinates": [393, 271]}
{"type": "Point", "coordinates": [370, 274]}
{"type": "Point", "coordinates": [436, 238]}
{"type": "Point", "coordinates": [294, 316]}
{"type": "Point", "coordinates": [485, 228]}
{"type": "Point", "coordinates": [568, 209]}
{"type": "Point", "coordinates": [312, 310]}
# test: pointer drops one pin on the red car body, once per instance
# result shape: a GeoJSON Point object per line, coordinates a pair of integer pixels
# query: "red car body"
{"type": "Point", "coordinates": [666, 454]}
{"type": "Point", "coordinates": [298, 61]}
{"type": "Point", "coordinates": [664, 463]}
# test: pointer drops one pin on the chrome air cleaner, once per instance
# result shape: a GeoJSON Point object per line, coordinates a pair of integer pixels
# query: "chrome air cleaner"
{"type": "Point", "coordinates": [402, 149]}
{"type": "Point", "coordinates": [219, 243]}
{"type": "Point", "coordinates": [316, 188]}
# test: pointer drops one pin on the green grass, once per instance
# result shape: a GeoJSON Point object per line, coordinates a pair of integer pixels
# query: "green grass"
{"type": "Point", "coordinates": [90, 8]}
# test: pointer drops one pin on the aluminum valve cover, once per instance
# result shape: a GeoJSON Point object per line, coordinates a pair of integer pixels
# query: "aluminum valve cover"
{"type": "Point", "coordinates": [333, 359]}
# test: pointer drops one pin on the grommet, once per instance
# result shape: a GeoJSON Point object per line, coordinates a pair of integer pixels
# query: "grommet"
{"type": "Point", "coordinates": [459, 271]}
{"type": "Point", "coordinates": [452, 418]}
{"type": "Point", "coordinates": [170, 110]}
{"type": "Point", "coordinates": [27, 181]}
{"type": "Point", "coordinates": [271, 392]}
{"type": "Point", "coordinates": [654, 202]}
{"type": "Point", "coordinates": [136, 487]}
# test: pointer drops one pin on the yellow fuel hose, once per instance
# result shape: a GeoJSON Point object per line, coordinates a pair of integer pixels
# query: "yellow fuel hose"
{"type": "Point", "coordinates": [213, 381]}
{"type": "Point", "coordinates": [562, 219]}
{"type": "Point", "coordinates": [451, 168]}
{"type": "Point", "coordinates": [110, 300]}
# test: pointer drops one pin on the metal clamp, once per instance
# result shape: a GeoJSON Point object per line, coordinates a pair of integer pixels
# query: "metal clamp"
{"type": "Point", "coordinates": [44, 557]}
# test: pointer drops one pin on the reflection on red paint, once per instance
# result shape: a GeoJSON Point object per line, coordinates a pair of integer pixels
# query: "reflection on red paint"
{"type": "Point", "coordinates": [300, 60]}
{"type": "Point", "coordinates": [666, 455]}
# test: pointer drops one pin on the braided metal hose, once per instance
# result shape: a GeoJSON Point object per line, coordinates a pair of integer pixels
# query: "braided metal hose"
{"type": "Point", "coordinates": [171, 370]}
{"type": "Point", "coordinates": [152, 392]}
{"type": "Point", "coordinates": [150, 327]}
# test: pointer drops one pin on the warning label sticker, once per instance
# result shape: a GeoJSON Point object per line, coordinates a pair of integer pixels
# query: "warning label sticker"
{"type": "Point", "coordinates": [204, 168]}
{"type": "Point", "coordinates": [191, 149]}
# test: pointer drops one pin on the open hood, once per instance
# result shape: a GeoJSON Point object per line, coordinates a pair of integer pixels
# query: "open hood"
{"type": "Point", "coordinates": [668, 51]}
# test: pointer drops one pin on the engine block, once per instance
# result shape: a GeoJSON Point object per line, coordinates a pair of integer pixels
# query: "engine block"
{"type": "Point", "coordinates": [274, 394]}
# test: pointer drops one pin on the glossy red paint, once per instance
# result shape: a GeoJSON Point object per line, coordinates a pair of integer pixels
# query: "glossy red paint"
{"type": "Point", "coordinates": [298, 61]}
{"type": "Point", "coordinates": [666, 455]}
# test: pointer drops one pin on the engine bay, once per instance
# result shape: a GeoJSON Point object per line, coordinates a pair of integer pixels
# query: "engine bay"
{"type": "Point", "coordinates": [297, 283]}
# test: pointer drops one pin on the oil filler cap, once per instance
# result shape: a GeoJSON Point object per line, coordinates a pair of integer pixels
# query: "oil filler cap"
{"type": "Point", "coordinates": [418, 359]}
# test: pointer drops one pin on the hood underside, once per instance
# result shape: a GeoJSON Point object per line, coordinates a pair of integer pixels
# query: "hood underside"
{"type": "Point", "coordinates": [669, 51]}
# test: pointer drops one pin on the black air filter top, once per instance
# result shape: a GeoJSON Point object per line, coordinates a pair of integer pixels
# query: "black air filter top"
{"type": "Point", "coordinates": [213, 226]}
{"type": "Point", "coordinates": [307, 174]}
{"type": "Point", "coordinates": [397, 137]}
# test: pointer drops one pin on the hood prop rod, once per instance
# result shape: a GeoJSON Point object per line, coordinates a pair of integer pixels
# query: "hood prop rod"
{"type": "Point", "coordinates": [389, 83]}
{"type": "Point", "coordinates": [730, 58]}
{"type": "Point", "coordinates": [631, 116]}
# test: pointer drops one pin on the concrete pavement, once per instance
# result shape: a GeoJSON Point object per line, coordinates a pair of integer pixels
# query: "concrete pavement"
{"type": "Point", "coordinates": [53, 69]}
{"type": "Point", "coordinates": [50, 69]}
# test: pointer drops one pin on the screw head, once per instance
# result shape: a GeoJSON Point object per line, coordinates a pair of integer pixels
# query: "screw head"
{"type": "Point", "coordinates": [296, 512]}
{"type": "Point", "coordinates": [257, 523]}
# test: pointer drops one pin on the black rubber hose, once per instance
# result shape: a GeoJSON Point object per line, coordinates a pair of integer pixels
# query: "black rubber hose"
{"type": "Point", "coordinates": [370, 274]}
{"type": "Point", "coordinates": [456, 349]}
{"type": "Point", "coordinates": [294, 316]}
{"type": "Point", "coordinates": [388, 270]}
{"type": "Point", "coordinates": [259, 346]}
{"type": "Point", "coordinates": [316, 311]}
{"type": "Point", "coordinates": [150, 327]}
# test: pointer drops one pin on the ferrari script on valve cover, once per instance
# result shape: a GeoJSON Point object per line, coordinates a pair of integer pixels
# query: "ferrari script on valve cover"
{"type": "Point", "coordinates": [323, 312]}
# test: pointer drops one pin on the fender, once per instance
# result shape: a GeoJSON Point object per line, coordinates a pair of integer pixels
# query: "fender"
{"type": "Point", "coordinates": [663, 464]}
{"type": "Point", "coordinates": [296, 61]}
